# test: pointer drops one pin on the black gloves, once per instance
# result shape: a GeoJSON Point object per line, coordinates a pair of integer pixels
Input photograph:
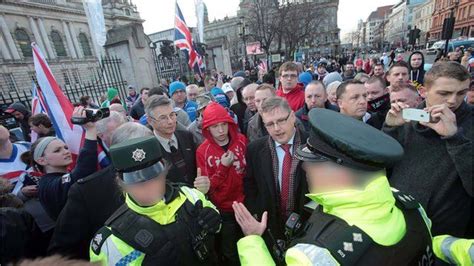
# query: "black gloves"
{"type": "Point", "coordinates": [208, 218]}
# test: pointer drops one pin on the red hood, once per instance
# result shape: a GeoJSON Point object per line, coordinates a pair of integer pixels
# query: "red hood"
{"type": "Point", "coordinates": [216, 113]}
{"type": "Point", "coordinates": [299, 86]}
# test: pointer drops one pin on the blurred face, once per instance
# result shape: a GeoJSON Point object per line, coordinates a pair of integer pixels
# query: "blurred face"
{"type": "Point", "coordinates": [179, 96]}
{"type": "Point", "coordinates": [378, 71]}
{"type": "Point", "coordinates": [280, 124]}
{"type": "Point", "coordinates": [447, 91]}
{"type": "Point", "coordinates": [18, 115]}
{"type": "Point", "coordinates": [326, 177]}
{"type": "Point", "coordinates": [192, 93]}
{"type": "Point", "coordinates": [163, 120]}
{"type": "Point", "coordinates": [375, 90]}
{"type": "Point", "coordinates": [220, 132]}
{"type": "Point", "coordinates": [315, 96]}
{"type": "Point", "coordinates": [230, 94]}
{"type": "Point", "coordinates": [406, 96]}
{"type": "Point", "coordinates": [453, 56]}
{"type": "Point", "coordinates": [288, 80]}
{"type": "Point", "coordinates": [416, 61]}
{"type": "Point", "coordinates": [211, 83]}
{"type": "Point", "coordinates": [144, 96]}
{"type": "Point", "coordinates": [350, 67]}
{"type": "Point", "coordinates": [248, 95]}
{"type": "Point", "coordinates": [470, 95]}
{"type": "Point", "coordinates": [148, 193]}
{"type": "Point", "coordinates": [332, 96]}
{"type": "Point", "coordinates": [56, 154]}
{"type": "Point", "coordinates": [132, 93]}
{"type": "Point", "coordinates": [398, 77]}
{"type": "Point", "coordinates": [260, 96]}
{"type": "Point", "coordinates": [40, 129]}
{"type": "Point", "coordinates": [353, 102]}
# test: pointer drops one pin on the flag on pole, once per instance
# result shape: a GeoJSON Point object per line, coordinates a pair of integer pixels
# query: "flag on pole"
{"type": "Point", "coordinates": [37, 107]}
{"type": "Point", "coordinates": [59, 109]}
{"type": "Point", "coordinates": [184, 41]}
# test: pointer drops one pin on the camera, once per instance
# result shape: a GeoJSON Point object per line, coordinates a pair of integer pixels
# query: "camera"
{"type": "Point", "coordinates": [92, 115]}
{"type": "Point", "coordinates": [293, 225]}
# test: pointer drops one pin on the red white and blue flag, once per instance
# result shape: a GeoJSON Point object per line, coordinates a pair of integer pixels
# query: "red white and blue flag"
{"type": "Point", "coordinates": [37, 106]}
{"type": "Point", "coordinates": [184, 41]}
{"type": "Point", "coordinates": [52, 101]}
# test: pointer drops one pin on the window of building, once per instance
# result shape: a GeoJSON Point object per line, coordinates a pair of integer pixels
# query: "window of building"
{"type": "Point", "coordinates": [58, 43]}
{"type": "Point", "coordinates": [24, 41]}
{"type": "Point", "coordinates": [65, 74]}
{"type": "Point", "coordinates": [10, 81]}
{"type": "Point", "coordinates": [127, 12]}
{"type": "Point", "coordinates": [86, 48]}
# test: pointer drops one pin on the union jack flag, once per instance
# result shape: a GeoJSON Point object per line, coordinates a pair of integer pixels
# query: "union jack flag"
{"type": "Point", "coordinates": [184, 41]}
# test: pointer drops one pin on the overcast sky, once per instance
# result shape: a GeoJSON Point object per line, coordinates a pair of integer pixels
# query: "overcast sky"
{"type": "Point", "coordinates": [159, 14]}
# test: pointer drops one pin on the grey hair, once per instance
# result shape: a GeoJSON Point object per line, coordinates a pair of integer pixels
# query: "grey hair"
{"type": "Point", "coordinates": [272, 103]}
{"type": "Point", "coordinates": [333, 86]}
{"type": "Point", "coordinates": [155, 101]}
{"type": "Point", "coordinates": [191, 86]}
{"type": "Point", "coordinates": [130, 130]}
{"type": "Point", "coordinates": [114, 116]}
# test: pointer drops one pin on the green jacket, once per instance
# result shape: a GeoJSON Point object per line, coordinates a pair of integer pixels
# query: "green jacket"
{"type": "Point", "coordinates": [115, 250]}
{"type": "Point", "coordinates": [372, 209]}
{"type": "Point", "coordinates": [454, 250]}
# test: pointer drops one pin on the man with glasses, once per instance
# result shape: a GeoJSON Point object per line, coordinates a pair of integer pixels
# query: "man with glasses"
{"type": "Point", "coordinates": [289, 87]}
{"type": "Point", "coordinates": [177, 146]}
{"type": "Point", "coordinates": [275, 181]}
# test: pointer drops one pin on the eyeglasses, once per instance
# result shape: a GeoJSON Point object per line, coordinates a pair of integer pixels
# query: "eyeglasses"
{"type": "Point", "coordinates": [291, 76]}
{"type": "Point", "coordinates": [164, 118]}
{"type": "Point", "coordinates": [280, 122]}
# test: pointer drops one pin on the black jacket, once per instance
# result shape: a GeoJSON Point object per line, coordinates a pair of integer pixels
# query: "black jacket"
{"type": "Point", "coordinates": [137, 110]}
{"type": "Point", "coordinates": [259, 186]}
{"type": "Point", "coordinates": [417, 75]}
{"type": "Point", "coordinates": [438, 171]}
{"type": "Point", "coordinates": [187, 149]}
{"type": "Point", "coordinates": [91, 201]}
{"type": "Point", "coordinates": [53, 187]}
{"type": "Point", "coordinates": [302, 113]}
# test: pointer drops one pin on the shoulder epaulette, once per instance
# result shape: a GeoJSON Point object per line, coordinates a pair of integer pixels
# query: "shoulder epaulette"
{"type": "Point", "coordinates": [407, 201]}
{"type": "Point", "coordinates": [99, 239]}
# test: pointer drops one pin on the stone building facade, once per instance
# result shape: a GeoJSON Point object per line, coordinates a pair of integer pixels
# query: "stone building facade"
{"type": "Point", "coordinates": [61, 30]}
{"type": "Point", "coordinates": [422, 19]}
{"type": "Point", "coordinates": [464, 13]}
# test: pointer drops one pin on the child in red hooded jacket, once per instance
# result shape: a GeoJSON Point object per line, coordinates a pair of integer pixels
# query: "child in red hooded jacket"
{"type": "Point", "coordinates": [221, 157]}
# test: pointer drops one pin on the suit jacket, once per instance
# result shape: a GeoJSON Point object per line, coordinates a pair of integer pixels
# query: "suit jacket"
{"type": "Point", "coordinates": [259, 186]}
{"type": "Point", "coordinates": [187, 149]}
{"type": "Point", "coordinates": [91, 201]}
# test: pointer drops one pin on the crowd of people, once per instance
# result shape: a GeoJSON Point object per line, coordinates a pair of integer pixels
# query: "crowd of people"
{"type": "Point", "coordinates": [292, 166]}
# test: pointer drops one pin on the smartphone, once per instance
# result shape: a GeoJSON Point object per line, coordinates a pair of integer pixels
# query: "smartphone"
{"type": "Point", "coordinates": [413, 114]}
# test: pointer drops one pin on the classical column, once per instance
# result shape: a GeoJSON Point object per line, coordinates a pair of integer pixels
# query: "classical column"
{"type": "Point", "coordinates": [47, 43]}
{"type": "Point", "coordinates": [74, 40]}
{"type": "Point", "coordinates": [4, 49]}
{"type": "Point", "coordinates": [70, 45]}
{"type": "Point", "coordinates": [35, 31]}
{"type": "Point", "coordinates": [9, 39]}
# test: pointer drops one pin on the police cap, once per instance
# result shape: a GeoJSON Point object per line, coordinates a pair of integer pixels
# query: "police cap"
{"type": "Point", "coordinates": [137, 159]}
{"type": "Point", "coordinates": [348, 142]}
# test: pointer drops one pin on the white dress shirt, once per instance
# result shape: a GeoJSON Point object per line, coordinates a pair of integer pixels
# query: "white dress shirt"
{"type": "Point", "coordinates": [166, 142]}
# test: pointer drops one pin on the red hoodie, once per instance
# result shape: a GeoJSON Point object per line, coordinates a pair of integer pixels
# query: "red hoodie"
{"type": "Point", "coordinates": [295, 97]}
{"type": "Point", "coordinates": [226, 182]}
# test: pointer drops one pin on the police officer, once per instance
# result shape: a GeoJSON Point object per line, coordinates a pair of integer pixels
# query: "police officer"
{"type": "Point", "coordinates": [160, 223]}
{"type": "Point", "coordinates": [359, 219]}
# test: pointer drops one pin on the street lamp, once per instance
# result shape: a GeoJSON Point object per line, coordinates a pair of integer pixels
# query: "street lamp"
{"type": "Point", "coordinates": [242, 34]}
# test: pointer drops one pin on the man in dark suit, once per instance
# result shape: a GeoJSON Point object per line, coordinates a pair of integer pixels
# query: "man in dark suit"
{"type": "Point", "coordinates": [177, 146]}
{"type": "Point", "coordinates": [275, 181]}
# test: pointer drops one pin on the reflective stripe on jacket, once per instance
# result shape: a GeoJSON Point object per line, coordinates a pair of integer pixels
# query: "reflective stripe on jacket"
{"type": "Point", "coordinates": [454, 250]}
